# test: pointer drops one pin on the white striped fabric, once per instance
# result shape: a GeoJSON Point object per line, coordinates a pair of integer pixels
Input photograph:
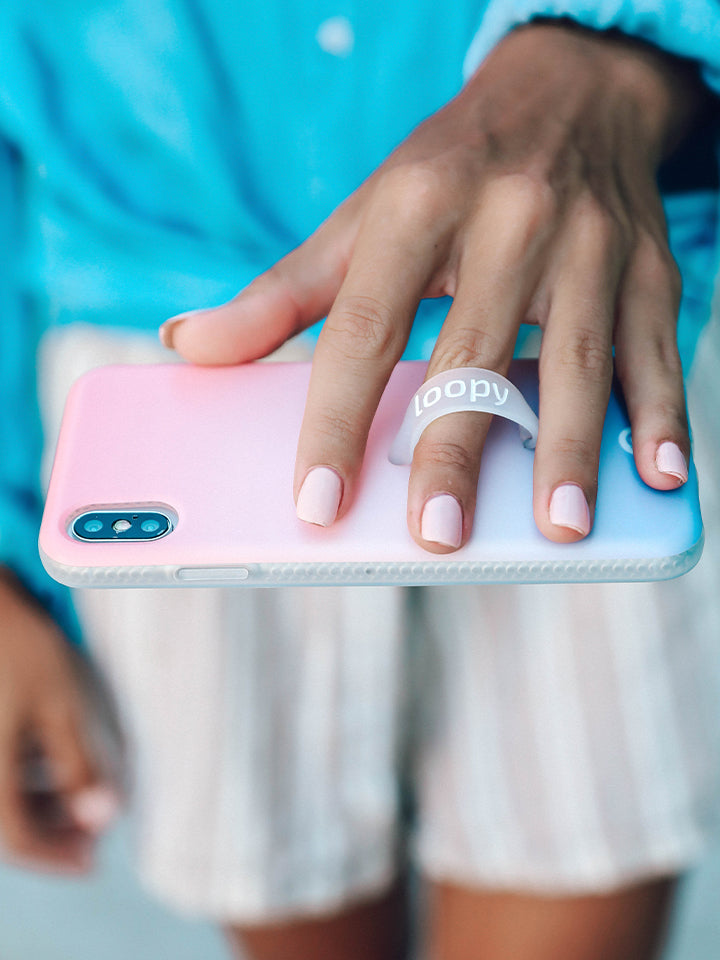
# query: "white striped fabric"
{"type": "Point", "coordinates": [557, 738]}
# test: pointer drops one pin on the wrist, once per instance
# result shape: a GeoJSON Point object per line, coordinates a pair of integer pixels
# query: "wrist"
{"type": "Point", "coordinates": [579, 72]}
{"type": "Point", "coordinates": [665, 91]}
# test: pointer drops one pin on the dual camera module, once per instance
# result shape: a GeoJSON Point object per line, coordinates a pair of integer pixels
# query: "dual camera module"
{"type": "Point", "coordinates": [108, 525]}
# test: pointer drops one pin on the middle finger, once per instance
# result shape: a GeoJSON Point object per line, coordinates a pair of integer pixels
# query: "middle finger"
{"type": "Point", "coordinates": [498, 275]}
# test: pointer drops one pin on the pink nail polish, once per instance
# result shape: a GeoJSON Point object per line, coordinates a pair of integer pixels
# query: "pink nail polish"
{"type": "Point", "coordinates": [669, 460]}
{"type": "Point", "coordinates": [569, 508]}
{"type": "Point", "coordinates": [442, 521]}
{"type": "Point", "coordinates": [95, 807]}
{"type": "Point", "coordinates": [319, 497]}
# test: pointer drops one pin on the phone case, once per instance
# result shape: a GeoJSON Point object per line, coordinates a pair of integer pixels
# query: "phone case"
{"type": "Point", "coordinates": [215, 448]}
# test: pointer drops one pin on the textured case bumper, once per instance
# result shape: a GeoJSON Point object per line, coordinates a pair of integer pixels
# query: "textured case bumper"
{"type": "Point", "coordinates": [428, 573]}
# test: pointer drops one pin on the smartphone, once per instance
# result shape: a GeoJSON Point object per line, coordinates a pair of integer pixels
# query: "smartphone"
{"type": "Point", "coordinates": [178, 475]}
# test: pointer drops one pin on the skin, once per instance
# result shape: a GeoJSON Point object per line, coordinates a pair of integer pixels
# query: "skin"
{"type": "Point", "coordinates": [464, 924]}
{"type": "Point", "coordinates": [531, 197]}
{"type": "Point", "coordinates": [374, 929]}
{"type": "Point", "coordinates": [622, 925]}
{"type": "Point", "coordinates": [44, 720]}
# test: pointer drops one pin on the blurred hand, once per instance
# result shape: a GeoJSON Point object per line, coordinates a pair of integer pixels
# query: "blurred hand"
{"type": "Point", "coordinates": [530, 197]}
{"type": "Point", "coordinates": [54, 799]}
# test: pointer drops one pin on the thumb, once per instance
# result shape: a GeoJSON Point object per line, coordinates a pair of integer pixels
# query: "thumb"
{"type": "Point", "coordinates": [293, 294]}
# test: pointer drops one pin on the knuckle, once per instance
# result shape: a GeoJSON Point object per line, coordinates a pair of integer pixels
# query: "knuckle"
{"type": "Point", "coordinates": [527, 199]}
{"type": "Point", "coordinates": [586, 355]}
{"type": "Point", "coordinates": [468, 347]}
{"type": "Point", "coordinates": [363, 328]}
{"type": "Point", "coordinates": [449, 457]}
{"type": "Point", "coordinates": [600, 227]}
{"type": "Point", "coordinates": [337, 429]}
{"type": "Point", "coordinates": [523, 208]}
{"type": "Point", "coordinates": [415, 191]}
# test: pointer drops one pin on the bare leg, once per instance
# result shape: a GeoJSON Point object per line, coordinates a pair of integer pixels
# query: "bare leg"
{"type": "Point", "coordinates": [469, 924]}
{"type": "Point", "coordinates": [373, 930]}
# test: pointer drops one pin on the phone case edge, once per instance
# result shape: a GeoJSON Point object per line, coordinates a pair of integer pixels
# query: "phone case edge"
{"type": "Point", "coordinates": [425, 573]}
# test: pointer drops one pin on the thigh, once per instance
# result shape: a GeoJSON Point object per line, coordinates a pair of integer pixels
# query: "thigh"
{"type": "Point", "coordinates": [473, 925]}
{"type": "Point", "coordinates": [374, 929]}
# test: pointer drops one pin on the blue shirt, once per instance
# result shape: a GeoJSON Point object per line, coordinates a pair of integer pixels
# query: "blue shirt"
{"type": "Point", "coordinates": [155, 155]}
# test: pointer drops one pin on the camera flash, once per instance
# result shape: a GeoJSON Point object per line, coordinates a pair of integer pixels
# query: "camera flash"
{"type": "Point", "coordinates": [120, 526]}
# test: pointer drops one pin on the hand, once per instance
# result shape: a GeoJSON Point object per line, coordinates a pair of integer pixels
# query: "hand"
{"type": "Point", "coordinates": [530, 197]}
{"type": "Point", "coordinates": [54, 800]}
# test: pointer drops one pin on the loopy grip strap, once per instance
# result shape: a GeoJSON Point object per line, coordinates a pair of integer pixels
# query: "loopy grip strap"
{"type": "Point", "coordinates": [456, 391]}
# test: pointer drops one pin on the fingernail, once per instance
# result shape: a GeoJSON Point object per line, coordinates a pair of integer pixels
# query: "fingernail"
{"type": "Point", "coordinates": [95, 807]}
{"type": "Point", "coordinates": [442, 521]}
{"type": "Point", "coordinates": [669, 460]}
{"type": "Point", "coordinates": [569, 508]}
{"type": "Point", "coordinates": [166, 331]}
{"type": "Point", "coordinates": [319, 497]}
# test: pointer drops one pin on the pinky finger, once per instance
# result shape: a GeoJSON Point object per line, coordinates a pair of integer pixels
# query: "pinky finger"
{"type": "Point", "coordinates": [648, 365]}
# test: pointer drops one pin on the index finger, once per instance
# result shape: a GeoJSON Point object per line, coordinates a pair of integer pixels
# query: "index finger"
{"type": "Point", "coordinates": [362, 340]}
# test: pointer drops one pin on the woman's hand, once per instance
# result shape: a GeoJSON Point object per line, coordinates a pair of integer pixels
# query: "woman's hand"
{"type": "Point", "coordinates": [54, 800]}
{"type": "Point", "coordinates": [530, 197]}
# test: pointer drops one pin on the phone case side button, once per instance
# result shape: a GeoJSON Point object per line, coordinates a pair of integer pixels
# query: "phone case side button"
{"type": "Point", "coordinates": [214, 574]}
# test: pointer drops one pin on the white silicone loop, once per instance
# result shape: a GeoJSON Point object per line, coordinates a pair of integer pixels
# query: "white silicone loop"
{"type": "Point", "coordinates": [456, 391]}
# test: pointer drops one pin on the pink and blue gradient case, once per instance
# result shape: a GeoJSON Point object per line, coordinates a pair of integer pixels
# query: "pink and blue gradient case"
{"type": "Point", "coordinates": [214, 448]}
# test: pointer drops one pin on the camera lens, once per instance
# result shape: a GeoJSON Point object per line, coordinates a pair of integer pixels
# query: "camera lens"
{"type": "Point", "coordinates": [118, 525]}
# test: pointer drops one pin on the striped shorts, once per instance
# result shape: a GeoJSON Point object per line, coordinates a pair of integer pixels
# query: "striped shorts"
{"type": "Point", "coordinates": [291, 746]}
